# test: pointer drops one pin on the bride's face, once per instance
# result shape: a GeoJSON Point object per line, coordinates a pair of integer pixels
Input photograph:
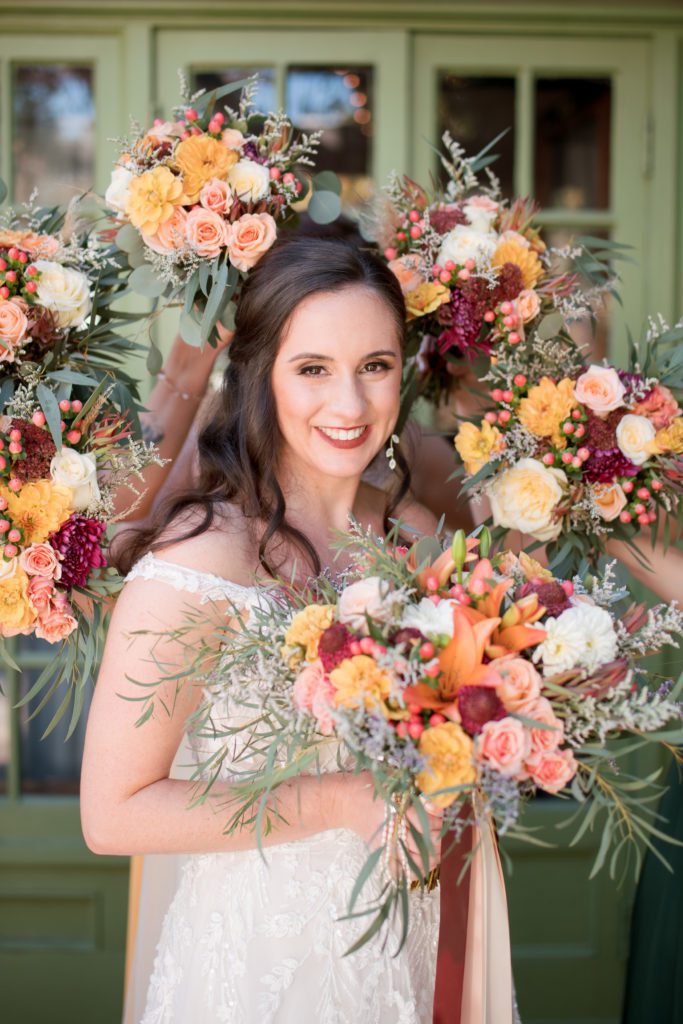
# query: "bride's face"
{"type": "Point", "coordinates": [336, 381]}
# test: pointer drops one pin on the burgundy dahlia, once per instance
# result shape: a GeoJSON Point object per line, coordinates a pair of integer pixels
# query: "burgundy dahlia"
{"type": "Point", "coordinates": [465, 327]}
{"type": "Point", "coordinates": [445, 218]}
{"type": "Point", "coordinates": [550, 594]}
{"type": "Point", "coordinates": [477, 706]}
{"type": "Point", "coordinates": [334, 645]}
{"type": "Point", "coordinates": [602, 433]}
{"type": "Point", "coordinates": [39, 449]}
{"type": "Point", "coordinates": [79, 542]}
{"type": "Point", "coordinates": [604, 466]}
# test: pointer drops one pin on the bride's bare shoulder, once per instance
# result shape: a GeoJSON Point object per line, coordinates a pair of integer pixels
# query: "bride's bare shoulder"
{"type": "Point", "coordinates": [227, 548]}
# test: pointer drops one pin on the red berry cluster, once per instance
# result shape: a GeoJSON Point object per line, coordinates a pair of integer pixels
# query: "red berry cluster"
{"type": "Point", "coordinates": [18, 276]}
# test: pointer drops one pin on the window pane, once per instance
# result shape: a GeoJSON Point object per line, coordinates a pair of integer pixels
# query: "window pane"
{"type": "Point", "coordinates": [475, 111]}
{"type": "Point", "coordinates": [48, 765]}
{"type": "Point", "coordinates": [573, 142]}
{"type": "Point", "coordinates": [4, 730]}
{"type": "Point", "coordinates": [338, 101]}
{"type": "Point", "coordinates": [265, 94]}
{"type": "Point", "coordinates": [53, 131]}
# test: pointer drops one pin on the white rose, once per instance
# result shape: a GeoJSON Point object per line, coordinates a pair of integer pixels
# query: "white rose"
{"type": "Point", "coordinates": [466, 243]}
{"type": "Point", "coordinates": [481, 212]}
{"type": "Point", "coordinates": [525, 497]}
{"type": "Point", "coordinates": [431, 619]}
{"type": "Point", "coordinates": [78, 472]}
{"type": "Point", "coordinates": [116, 195]}
{"type": "Point", "coordinates": [634, 434]}
{"type": "Point", "coordinates": [63, 291]}
{"type": "Point", "coordinates": [366, 597]}
{"type": "Point", "coordinates": [249, 180]}
{"type": "Point", "coordinates": [8, 568]}
{"type": "Point", "coordinates": [581, 637]}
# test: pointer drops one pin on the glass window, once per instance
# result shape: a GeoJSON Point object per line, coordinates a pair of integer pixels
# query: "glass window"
{"type": "Point", "coordinates": [475, 110]}
{"type": "Point", "coordinates": [265, 95]}
{"type": "Point", "coordinates": [53, 131]}
{"type": "Point", "coordinates": [572, 152]}
{"type": "Point", "coordinates": [338, 102]}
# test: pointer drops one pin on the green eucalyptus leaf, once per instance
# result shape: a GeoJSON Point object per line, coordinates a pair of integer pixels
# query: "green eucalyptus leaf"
{"type": "Point", "coordinates": [50, 406]}
{"type": "Point", "coordinates": [550, 326]}
{"type": "Point", "coordinates": [3, 191]}
{"type": "Point", "coordinates": [190, 330]}
{"type": "Point", "coordinates": [215, 301]}
{"type": "Point", "coordinates": [227, 317]}
{"type": "Point", "coordinates": [155, 360]}
{"type": "Point", "coordinates": [137, 259]}
{"type": "Point", "coordinates": [324, 207]}
{"type": "Point", "coordinates": [144, 281]}
{"type": "Point", "coordinates": [72, 377]}
{"type": "Point", "coordinates": [128, 238]}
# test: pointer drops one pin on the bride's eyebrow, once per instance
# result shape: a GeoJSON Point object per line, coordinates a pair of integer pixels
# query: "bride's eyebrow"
{"type": "Point", "coordinates": [330, 359]}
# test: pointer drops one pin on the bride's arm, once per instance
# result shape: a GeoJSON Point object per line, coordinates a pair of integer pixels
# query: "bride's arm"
{"type": "Point", "coordinates": [128, 803]}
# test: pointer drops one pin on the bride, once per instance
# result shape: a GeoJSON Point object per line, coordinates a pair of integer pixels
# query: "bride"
{"type": "Point", "coordinates": [309, 398]}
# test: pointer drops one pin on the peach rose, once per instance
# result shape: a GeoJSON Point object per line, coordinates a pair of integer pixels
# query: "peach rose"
{"type": "Point", "coordinates": [504, 745]}
{"type": "Point", "coordinates": [206, 232]}
{"type": "Point", "coordinates": [38, 245]}
{"type": "Point", "coordinates": [171, 234]}
{"type": "Point", "coordinates": [323, 704]}
{"type": "Point", "coordinates": [660, 407]}
{"type": "Point", "coordinates": [407, 271]}
{"type": "Point", "coordinates": [366, 597]}
{"type": "Point", "coordinates": [527, 305]}
{"type": "Point", "coordinates": [41, 590]}
{"type": "Point", "coordinates": [552, 769]}
{"type": "Point", "coordinates": [57, 622]}
{"type": "Point", "coordinates": [232, 138]}
{"type": "Point", "coordinates": [541, 710]}
{"type": "Point", "coordinates": [13, 326]}
{"type": "Point", "coordinates": [306, 684]}
{"type": "Point", "coordinates": [609, 499]}
{"type": "Point", "coordinates": [216, 195]}
{"type": "Point", "coordinates": [249, 238]}
{"type": "Point", "coordinates": [41, 560]}
{"type": "Point", "coordinates": [600, 389]}
{"type": "Point", "coordinates": [521, 682]}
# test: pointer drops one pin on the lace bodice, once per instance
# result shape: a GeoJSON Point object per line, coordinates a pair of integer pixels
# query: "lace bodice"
{"type": "Point", "coordinates": [208, 586]}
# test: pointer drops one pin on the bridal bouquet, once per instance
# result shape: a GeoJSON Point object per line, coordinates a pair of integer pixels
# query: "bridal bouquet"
{"type": "Point", "coordinates": [203, 197]}
{"type": "Point", "coordinates": [476, 275]}
{"type": "Point", "coordinates": [575, 458]}
{"type": "Point", "coordinates": [456, 680]}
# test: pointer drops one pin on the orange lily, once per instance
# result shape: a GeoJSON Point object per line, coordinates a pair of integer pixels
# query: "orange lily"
{"type": "Point", "coordinates": [462, 658]}
{"type": "Point", "coordinates": [443, 568]}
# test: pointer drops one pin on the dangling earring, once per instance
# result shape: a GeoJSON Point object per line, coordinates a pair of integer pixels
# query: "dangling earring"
{"type": "Point", "coordinates": [390, 451]}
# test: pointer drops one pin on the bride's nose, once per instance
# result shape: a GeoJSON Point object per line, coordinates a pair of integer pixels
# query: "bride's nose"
{"type": "Point", "coordinates": [348, 401]}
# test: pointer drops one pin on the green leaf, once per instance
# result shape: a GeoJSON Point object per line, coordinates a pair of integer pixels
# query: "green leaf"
{"type": "Point", "coordinates": [144, 281]}
{"type": "Point", "coordinates": [6, 392]}
{"type": "Point", "coordinates": [550, 326]}
{"type": "Point", "coordinates": [128, 239]}
{"type": "Point", "coordinates": [365, 873]}
{"type": "Point", "coordinates": [215, 302]}
{"type": "Point", "coordinates": [155, 360]}
{"type": "Point", "coordinates": [191, 291]}
{"type": "Point", "coordinates": [227, 317]}
{"type": "Point", "coordinates": [50, 406]}
{"type": "Point", "coordinates": [324, 207]}
{"type": "Point", "coordinates": [67, 376]}
{"type": "Point", "coordinates": [3, 191]}
{"type": "Point", "coordinates": [190, 330]}
{"type": "Point", "coordinates": [205, 102]}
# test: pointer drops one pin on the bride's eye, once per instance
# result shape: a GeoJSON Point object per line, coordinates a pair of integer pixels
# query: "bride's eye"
{"type": "Point", "coordinates": [376, 366]}
{"type": "Point", "coordinates": [311, 371]}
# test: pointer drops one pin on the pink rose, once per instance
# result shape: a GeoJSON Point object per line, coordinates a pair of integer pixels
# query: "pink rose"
{"type": "Point", "coordinates": [600, 389]}
{"type": "Point", "coordinates": [216, 195]}
{"type": "Point", "coordinates": [543, 740]}
{"type": "Point", "coordinates": [250, 237]}
{"type": "Point", "coordinates": [504, 745]}
{"type": "Point", "coordinates": [40, 592]}
{"type": "Point", "coordinates": [552, 770]}
{"type": "Point", "coordinates": [13, 326]}
{"type": "Point", "coordinates": [609, 499]}
{"type": "Point", "coordinates": [407, 271]}
{"type": "Point", "coordinates": [171, 234]}
{"type": "Point", "coordinates": [660, 407]}
{"type": "Point", "coordinates": [527, 305]}
{"type": "Point", "coordinates": [41, 560]}
{"type": "Point", "coordinates": [232, 138]}
{"type": "Point", "coordinates": [306, 684]}
{"type": "Point", "coordinates": [206, 232]}
{"type": "Point", "coordinates": [521, 682]}
{"type": "Point", "coordinates": [323, 704]}
{"type": "Point", "coordinates": [366, 597]}
{"type": "Point", "coordinates": [57, 622]}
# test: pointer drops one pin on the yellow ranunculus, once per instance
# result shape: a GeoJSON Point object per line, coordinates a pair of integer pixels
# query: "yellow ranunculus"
{"type": "Point", "coordinates": [426, 298]}
{"type": "Point", "coordinates": [307, 627]}
{"type": "Point", "coordinates": [448, 751]}
{"type": "Point", "coordinates": [201, 158]}
{"type": "Point", "coordinates": [510, 251]}
{"type": "Point", "coordinates": [39, 509]}
{"type": "Point", "coordinates": [152, 197]}
{"type": "Point", "coordinates": [547, 406]}
{"type": "Point", "coordinates": [475, 445]}
{"type": "Point", "coordinates": [669, 439]}
{"type": "Point", "coordinates": [16, 613]}
{"type": "Point", "coordinates": [360, 682]}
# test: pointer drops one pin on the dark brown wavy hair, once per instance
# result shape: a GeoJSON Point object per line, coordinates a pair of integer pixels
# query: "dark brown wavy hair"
{"type": "Point", "coordinates": [238, 448]}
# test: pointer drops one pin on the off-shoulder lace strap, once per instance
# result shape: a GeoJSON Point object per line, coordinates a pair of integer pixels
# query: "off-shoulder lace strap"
{"type": "Point", "coordinates": [208, 586]}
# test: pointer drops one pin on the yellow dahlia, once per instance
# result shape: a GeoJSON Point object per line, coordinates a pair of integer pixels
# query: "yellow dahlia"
{"type": "Point", "coordinates": [669, 439]}
{"type": "Point", "coordinates": [16, 613]}
{"type": "Point", "coordinates": [448, 751]}
{"type": "Point", "coordinates": [547, 406]}
{"type": "Point", "coordinates": [307, 627]}
{"type": "Point", "coordinates": [475, 445]}
{"type": "Point", "coordinates": [426, 298]}
{"type": "Point", "coordinates": [39, 509]}
{"type": "Point", "coordinates": [511, 251]}
{"type": "Point", "coordinates": [152, 198]}
{"type": "Point", "coordinates": [201, 158]}
{"type": "Point", "coordinates": [360, 682]}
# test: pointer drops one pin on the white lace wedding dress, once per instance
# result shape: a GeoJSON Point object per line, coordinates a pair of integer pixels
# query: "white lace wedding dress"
{"type": "Point", "coordinates": [248, 941]}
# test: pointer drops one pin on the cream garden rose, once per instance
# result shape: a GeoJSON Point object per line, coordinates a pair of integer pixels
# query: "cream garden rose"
{"type": "Point", "coordinates": [65, 292]}
{"type": "Point", "coordinates": [78, 472]}
{"type": "Point", "coordinates": [600, 389]}
{"type": "Point", "coordinates": [481, 212]}
{"type": "Point", "coordinates": [525, 497]}
{"type": "Point", "coordinates": [249, 238]}
{"type": "Point", "coordinates": [634, 436]}
{"type": "Point", "coordinates": [249, 180]}
{"type": "Point", "coordinates": [367, 597]}
{"type": "Point", "coordinates": [466, 243]}
{"type": "Point", "coordinates": [118, 190]}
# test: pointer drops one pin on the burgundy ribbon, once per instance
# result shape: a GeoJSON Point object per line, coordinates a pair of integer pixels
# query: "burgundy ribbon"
{"type": "Point", "coordinates": [450, 958]}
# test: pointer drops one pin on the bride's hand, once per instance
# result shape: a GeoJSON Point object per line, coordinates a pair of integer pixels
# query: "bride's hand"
{"type": "Point", "coordinates": [357, 807]}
